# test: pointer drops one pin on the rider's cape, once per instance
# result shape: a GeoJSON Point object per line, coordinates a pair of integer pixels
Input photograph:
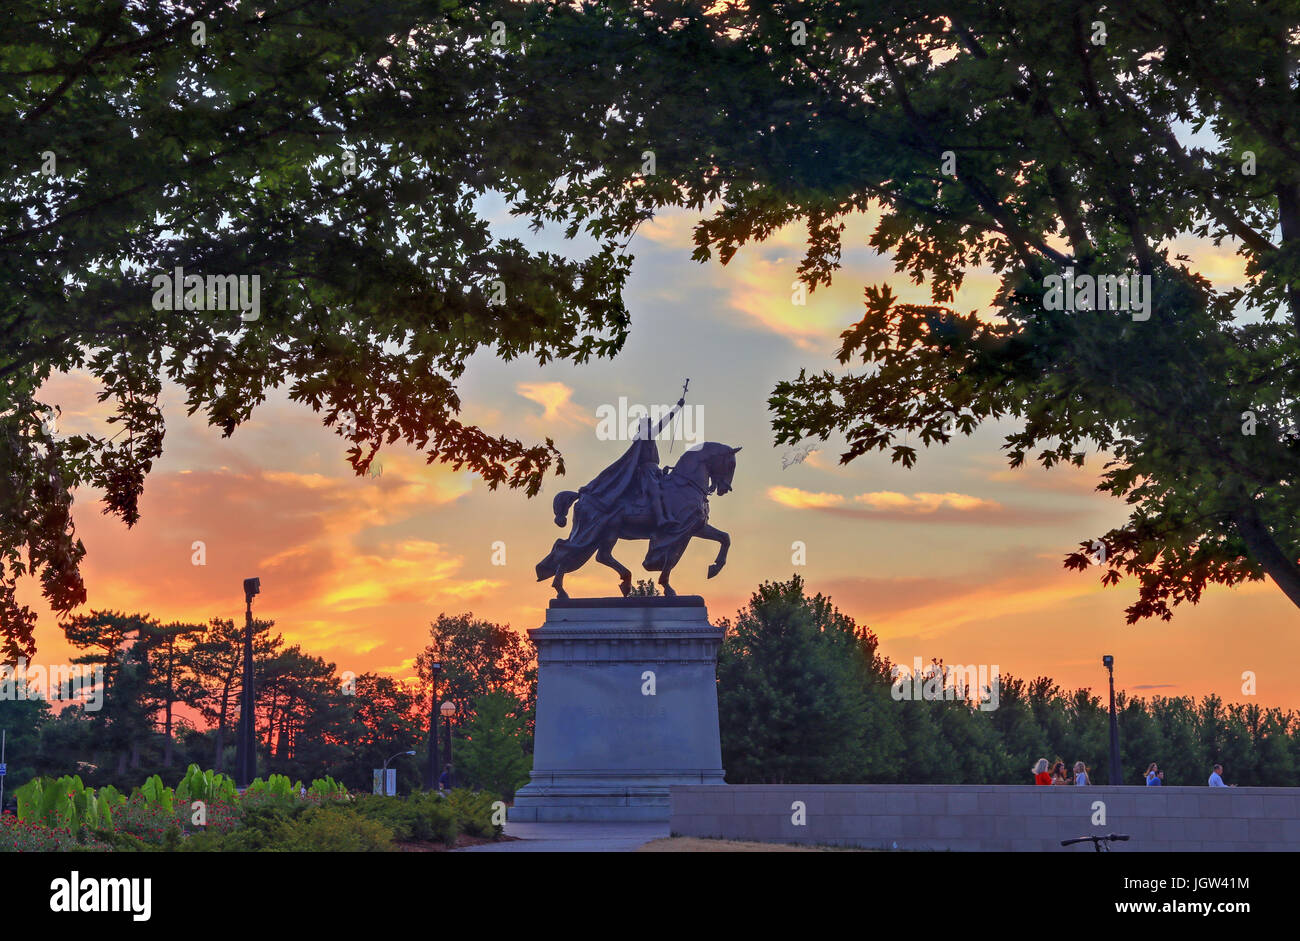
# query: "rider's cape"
{"type": "Point", "coordinates": [620, 480]}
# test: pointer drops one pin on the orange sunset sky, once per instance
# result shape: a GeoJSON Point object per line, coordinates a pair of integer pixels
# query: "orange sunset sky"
{"type": "Point", "coordinates": [959, 558]}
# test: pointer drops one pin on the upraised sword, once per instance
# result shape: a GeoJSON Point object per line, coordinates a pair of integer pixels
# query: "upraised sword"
{"type": "Point", "coordinates": [665, 419]}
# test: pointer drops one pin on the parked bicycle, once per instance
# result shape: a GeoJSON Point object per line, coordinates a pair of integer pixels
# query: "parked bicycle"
{"type": "Point", "coordinates": [1100, 843]}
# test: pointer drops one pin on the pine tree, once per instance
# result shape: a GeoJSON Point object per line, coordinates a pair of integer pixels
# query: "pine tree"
{"type": "Point", "coordinates": [491, 756]}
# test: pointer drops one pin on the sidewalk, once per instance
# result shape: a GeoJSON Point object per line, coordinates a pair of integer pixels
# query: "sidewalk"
{"type": "Point", "coordinates": [574, 838]}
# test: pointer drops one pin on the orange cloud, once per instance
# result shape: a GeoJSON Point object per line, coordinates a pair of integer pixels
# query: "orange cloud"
{"type": "Point", "coordinates": [802, 499]}
{"type": "Point", "coordinates": [917, 503]}
{"type": "Point", "coordinates": [334, 562]}
{"type": "Point", "coordinates": [555, 400]}
{"type": "Point", "coordinates": [888, 505]}
{"type": "Point", "coordinates": [924, 502]}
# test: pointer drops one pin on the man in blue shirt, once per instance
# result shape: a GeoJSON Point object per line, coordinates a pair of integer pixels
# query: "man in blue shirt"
{"type": "Point", "coordinates": [1216, 777]}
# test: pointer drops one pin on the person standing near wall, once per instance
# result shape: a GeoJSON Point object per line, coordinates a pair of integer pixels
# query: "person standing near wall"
{"type": "Point", "coordinates": [1216, 777]}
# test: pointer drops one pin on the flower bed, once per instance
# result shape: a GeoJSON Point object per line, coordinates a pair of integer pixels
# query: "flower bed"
{"type": "Point", "coordinates": [205, 813]}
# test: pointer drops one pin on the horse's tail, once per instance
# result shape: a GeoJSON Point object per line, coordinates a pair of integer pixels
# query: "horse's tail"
{"type": "Point", "coordinates": [563, 500]}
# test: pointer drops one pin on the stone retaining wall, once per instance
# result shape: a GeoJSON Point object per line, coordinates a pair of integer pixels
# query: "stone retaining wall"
{"type": "Point", "coordinates": [993, 817]}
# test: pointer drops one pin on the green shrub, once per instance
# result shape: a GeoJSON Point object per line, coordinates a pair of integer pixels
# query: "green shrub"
{"type": "Point", "coordinates": [473, 811]}
{"type": "Point", "coordinates": [262, 826]}
{"type": "Point", "coordinates": [63, 815]}
{"type": "Point", "coordinates": [335, 829]}
{"type": "Point", "coordinates": [120, 841]}
{"type": "Point", "coordinates": [422, 816]}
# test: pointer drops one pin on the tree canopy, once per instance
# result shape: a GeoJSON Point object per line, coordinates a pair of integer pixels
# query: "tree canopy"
{"type": "Point", "coordinates": [333, 150]}
{"type": "Point", "coordinates": [336, 149]}
{"type": "Point", "coordinates": [1037, 141]}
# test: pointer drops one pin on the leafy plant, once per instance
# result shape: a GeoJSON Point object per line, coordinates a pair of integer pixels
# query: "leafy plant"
{"type": "Point", "coordinates": [110, 798]}
{"type": "Point", "coordinates": [328, 789]}
{"type": "Point", "coordinates": [205, 786]}
{"type": "Point", "coordinates": [158, 794]}
{"type": "Point", "coordinates": [277, 785]}
{"type": "Point", "coordinates": [59, 803]}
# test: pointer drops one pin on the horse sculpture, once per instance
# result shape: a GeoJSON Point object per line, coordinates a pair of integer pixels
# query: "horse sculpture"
{"type": "Point", "coordinates": [634, 499]}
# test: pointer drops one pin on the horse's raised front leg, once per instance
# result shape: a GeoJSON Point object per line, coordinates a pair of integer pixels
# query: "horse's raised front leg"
{"type": "Point", "coordinates": [605, 556]}
{"type": "Point", "coordinates": [724, 543]}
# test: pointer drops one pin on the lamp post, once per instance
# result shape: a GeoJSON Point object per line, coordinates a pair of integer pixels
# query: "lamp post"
{"type": "Point", "coordinates": [384, 774]}
{"type": "Point", "coordinates": [246, 743]}
{"type": "Point", "coordinates": [1116, 774]}
{"type": "Point", "coordinates": [448, 710]}
{"type": "Point", "coordinates": [431, 768]}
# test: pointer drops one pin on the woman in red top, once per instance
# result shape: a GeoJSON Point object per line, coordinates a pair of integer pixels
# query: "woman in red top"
{"type": "Point", "coordinates": [1041, 774]}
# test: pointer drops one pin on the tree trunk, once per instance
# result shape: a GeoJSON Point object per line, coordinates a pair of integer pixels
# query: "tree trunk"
{"type": "Point", "coordinates": [167, 722]}
{"type": "Point", "coordinates": [1288, 206]}
{"type": "Point", "coordinates": [282, 741]}
{"type": "Point", "coordinates": [1265, 550]}
{"type": "Point", "coordinates": [271, 721]}
{"type": "Point", "coordinates": [219, 763]}
{"type": "Point", "coordinates": [284, 747]}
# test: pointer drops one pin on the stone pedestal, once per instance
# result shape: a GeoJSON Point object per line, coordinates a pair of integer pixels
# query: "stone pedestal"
{"type": "Point", "coordinates": [605, 749]}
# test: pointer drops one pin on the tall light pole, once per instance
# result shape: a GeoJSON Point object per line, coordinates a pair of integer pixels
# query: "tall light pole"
{"type": "Point", "coordinates": [1116, 774]}
{"type": "Point", "coordinates": [431, 767]}
{"type": "Point", "coordinates": [246, 742]}
{"type": "Point", "coordinates": [448, 710]}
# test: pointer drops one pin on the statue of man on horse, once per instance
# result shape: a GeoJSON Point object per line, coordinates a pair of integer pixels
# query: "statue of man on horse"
{"type": "Point", "coordinates": [634, 498]}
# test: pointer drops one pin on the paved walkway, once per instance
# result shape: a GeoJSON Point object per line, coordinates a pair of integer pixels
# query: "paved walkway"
{"type": "Point", "coordinates": [574, 838]}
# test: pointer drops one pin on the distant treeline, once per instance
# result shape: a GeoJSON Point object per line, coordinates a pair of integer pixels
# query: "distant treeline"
{"type": "Point", "coordinates": [803, 694]}
{"type": "Point", "coordinates": [805, 697]}
{"type": "Point", "coordinates": [312, 720]}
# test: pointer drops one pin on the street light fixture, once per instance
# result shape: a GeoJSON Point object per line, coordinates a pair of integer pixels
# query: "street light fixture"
{"type": "Point", "coordinates": [1116, 774]}
{"type": "Point", "coordinates": [246, 742]}
{"type": "Point", "coordinates": [431, 768]}
{"type": "Point", "coordinates": [448, 709]}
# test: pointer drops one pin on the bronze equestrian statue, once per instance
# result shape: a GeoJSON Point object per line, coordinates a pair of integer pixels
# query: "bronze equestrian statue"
{"type": "Point", "coordinates": [634, 498]}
